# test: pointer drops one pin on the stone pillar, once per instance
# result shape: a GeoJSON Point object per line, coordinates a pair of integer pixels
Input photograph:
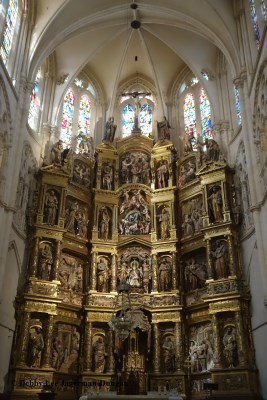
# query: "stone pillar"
{"type": "Point", "coordinates": [174, 272]}
{"type": "Point", "coordinates": [231, 255]}
{"type": "Point", "coordinates": [24, 338]}
{"type": "Point", "coordinates": [154, 273]}
{"type": "Point", "coordinates": [57, 259]}
{"type": "Point", "coordinates": [114, 273]}
{"type": "Point", "coordinates": [209, 260]}
{"type": "Point", "coordinates": [93, 271]}
{"type": "Point", "coordinates": [88, 348]}
{"type": "Point", "coordinates": [178, 345]}
{"type": "Point", "coordinates": [240, 339]}
{"type": "Point", "coordinates": [48, 343]}
{"type": "Point", "coordinates": [111, 361]}
{"type": "Point", "coordinates": [34, 266]}
{"type": "Point", "coordinates": [156, 363]}
{"type": "Point", "coordinates": [216, 342]}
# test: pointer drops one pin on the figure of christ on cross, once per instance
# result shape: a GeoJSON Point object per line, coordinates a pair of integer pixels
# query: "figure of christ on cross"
{"type": "Point", "coordinates": [137, 106]}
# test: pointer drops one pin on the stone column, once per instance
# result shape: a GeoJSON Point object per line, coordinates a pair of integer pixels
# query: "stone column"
{"type": "Point", "coordinates": [174, 272]}
{"type": "Point", "coordinates": [178, 345]}
{"type": "Point", "coordinates": [154, 273]}
{"type": "Point", "coordinates": [209, 260]}
{"type": "Point", "coordinates": [231, 255]}
{"type": "Point", "coordinates": [88, 348]}
{"type": "Point", "coordinates": [46, 363]}
{"type": "Point", "coordinates": [156, 363]}
{"type": "Point", "coordinates": [93, 271]}
{"type": "Point", "coordinates": [111, 361]}
{"type": "Point", "coordinates": [57, 259]}
{"type": "Point", "coordinates": [240, 339]}
{"type": "Point", "coordinates": [216, 342]}
{"type": "Point", "coordinates": [34, 266]}
{"type": "Point", "coordinates": [113, 273]}
{"type": "Point", "coordinates": [24, 338]}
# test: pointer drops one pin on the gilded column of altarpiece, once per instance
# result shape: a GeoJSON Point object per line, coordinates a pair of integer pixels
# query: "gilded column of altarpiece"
{"type": "Point", "coordinates": [164, 225]}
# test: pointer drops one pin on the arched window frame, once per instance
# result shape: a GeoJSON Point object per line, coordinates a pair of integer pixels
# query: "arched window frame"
{"type": "Point", "coordinates": [130, 100]}
{"type": "Point", "coordinates": [13, 53]}
{"type": "Point", "coordinates": [194, 87]}
{"type": "Point", "coordinates": [78, 93]}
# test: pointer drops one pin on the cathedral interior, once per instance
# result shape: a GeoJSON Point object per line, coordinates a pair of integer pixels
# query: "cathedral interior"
{"type": "Point", "coordinates": [133, 199]}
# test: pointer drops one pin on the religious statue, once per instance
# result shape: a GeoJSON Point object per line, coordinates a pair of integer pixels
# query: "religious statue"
{"type": "Point", "coordinates": [163, 129]}
{"type": "Point", "coordinates": [146, 274]}
{"type": "Point", "coordinates": [36, 347]}
{"type": "Point", "coordinates": [110, 129]}
{"type": "Point", "coordinates": [51, 207]}
{"type": "Point", "coordinates": [56, 152]}
{"type": "Point", "coordinates": [107, 176]}
{"type": "Point", "coordinates": [57, 354]}
{"type": "Point", "coordinates": [164, 223]}
{"type": "Point", "coordinates": [135, 274]}
{"type": "Point", "coordinates": [168, 348]}
{"type": "Point", "coordinates": [75, 341]}
{"type": "Point", "coordinates": [162, 174]}
{"type": "Point", "coordinates": [164, 275]}
{"type": "Point", "coordinates": [189, 140]}
{"type": "Point", "coordinates": [78, 285]}
{"type": "Point", "coordinates": [220, 259]}
{"type": "Point", "coordinates": [230, 347]}
{"type": "Point", "coordinates": [137, 105]}
{"type": "Point", "coordinates": [99, 355]}
{"type": "Point", "coordinates": [216, 204]}
{"type": "Point", "coordinates": [71, 217]}
{"type": "Point", "coordinates": [45, 262]}
{"type": "Point", "coordinates": [104, 223]}
{"type": "Point", "coordinates": [102, 275]}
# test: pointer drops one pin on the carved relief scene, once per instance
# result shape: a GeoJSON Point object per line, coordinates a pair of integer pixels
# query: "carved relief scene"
{"type": "Point", "coordinates": [71, 272]}
{"type": "Point", "coordinates": [201, 348]}
{"type": "Point", "coordinates": [81, 174]}
{"type": "Point", "coordinates": [135, 168]}
{"type": "Point", "coordinates": [76, 217]}
{"type": "Point", "coordinates": [195, 270]}
{"type": "Point", "coordinates": [192, 212]}
{"type": "Point", "coordinates": [134, 209]}
{"type": "Point", "coordinates": [187, 172]}
{"type": "Point", "coordinates": [134, 267]}
{"type": "Point", "coordinates": [65, 349]}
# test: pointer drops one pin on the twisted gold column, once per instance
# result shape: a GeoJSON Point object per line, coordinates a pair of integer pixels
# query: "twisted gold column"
{"type": "Point", "coordinates": [88, 347]}
{"type": "Point", "coordinates": [156, 363]}
{"type": "Point", "coordinates": [23, 342]}
{"type": "Point", "coordinates": [48, 343]}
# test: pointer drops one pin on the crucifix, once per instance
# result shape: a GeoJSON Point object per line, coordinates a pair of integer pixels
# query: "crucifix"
{"type": "Point", "coordinates": [137, 106]}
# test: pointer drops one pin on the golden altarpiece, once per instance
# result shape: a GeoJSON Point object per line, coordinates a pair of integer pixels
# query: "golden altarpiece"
{"type": "Point", "coordinates": [135, 213]}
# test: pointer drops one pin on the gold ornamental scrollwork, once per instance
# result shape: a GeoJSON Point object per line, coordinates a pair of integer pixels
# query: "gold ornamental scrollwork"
{"type": "Point", "coordinates": [166, 316]}
{"type": "Point", "coordinates": [223, 306]}
{"type": "Point", "coordinates": [98, 316]}
{"type": "Point", "coordinates": [37, 306]}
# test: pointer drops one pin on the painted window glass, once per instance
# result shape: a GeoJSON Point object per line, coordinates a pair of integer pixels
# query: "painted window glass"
{"type": "Point", "coordinates": [256, 27]}
{"type": "Point", "coordinates": [263, 10]}
{"type": "Point", "coordinates": [205, 115]}
{"type": "Point", "coordinates": [35, 103]}
{"type": "Point", "coordinates": [84, 115]}
{"type": "Point", "coordinates": [237, 106]}
{"type": "Point", "coordinates": [190, 114]}
{"type": "Point", "coordinates": [146, 119]}
{"type": "Point", "coordinates": [67, 117]}
{"type": "Point", "coordinates": [127, 119]}
{"type": "Point", "coordinates": [9, 29]}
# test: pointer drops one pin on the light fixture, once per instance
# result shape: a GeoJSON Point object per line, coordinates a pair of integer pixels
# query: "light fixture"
{"type": "Point", "coordinates": [122, 323]}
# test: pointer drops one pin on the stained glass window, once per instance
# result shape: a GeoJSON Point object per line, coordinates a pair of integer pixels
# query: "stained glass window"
{"type": "Point", "coordinates": [35, 102]}
{"type": "Point", "coordinates": [127, 119]}
{"type": "Point", "coordinates": [263, 10]}
{"type": "Point", "coordinates": [67, 117]}
{"type": "Point", "coordinates": [237, 105]}
{"type": "Point", "coordinates": [190, 114]}
{"type": "Point", "coordinates": [146, 119]}
{"type": "Point", "coordinates": [205, 114]}
{"type": "Point", "coordinates": [84, 115]}
{"type": "Point", "coordinates": [9, 29]}
{"type": "Point", "coordinates": [255, 23]}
